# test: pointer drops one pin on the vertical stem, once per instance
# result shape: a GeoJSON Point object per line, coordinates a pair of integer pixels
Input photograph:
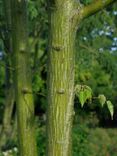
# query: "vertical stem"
{"type": "Point", "coordinates": [64, 17]}
{"type": "Point", "coordinates": [22, 80]}
{"type": "Point", "coordinates": [60, 79]}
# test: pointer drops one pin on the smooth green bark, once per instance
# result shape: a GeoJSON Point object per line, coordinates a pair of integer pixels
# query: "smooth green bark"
{"type": "Point", "coordinates": [22, 80]}
{"type": "Point", "coordinates": [61, 58]}
{"type": "Point", "coordinates": [64, 19]}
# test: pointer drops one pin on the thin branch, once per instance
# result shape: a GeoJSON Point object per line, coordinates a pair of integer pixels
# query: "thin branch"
{"type": "Point", "coordinates": [90, 49]}
{"type": "Point", "coordinates": [95, 6]}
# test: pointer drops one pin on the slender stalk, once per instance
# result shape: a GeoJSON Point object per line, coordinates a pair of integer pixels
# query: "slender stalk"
{"type": "Point", "coordinates": [95, 6]}
{"type": "Point", "coordinates": [60, 79]}
{"type": "Point", "coordinates": [64, 19]}
{"type": "Point", "coordinates": [22, 80]}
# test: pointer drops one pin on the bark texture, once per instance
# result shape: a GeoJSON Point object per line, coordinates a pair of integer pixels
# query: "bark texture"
{"type": "Point", "coordinates": [60, 77]}
{"type": "Point", "coordinates": [22, 80]}
{"type": "Point", "coordinates": [64, 19]}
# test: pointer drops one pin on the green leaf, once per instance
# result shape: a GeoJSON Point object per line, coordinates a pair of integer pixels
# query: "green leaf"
{"type": "Point", "coordinates": [102, 99]}
{"type": "Point", "coordinates": [88, 92]}
{"type": "Point", "coordinates": [82, 98]}
{"type": "Point", "coordinates": [110, 108]}
{"type": "Point", "coordinates": [84, 93]}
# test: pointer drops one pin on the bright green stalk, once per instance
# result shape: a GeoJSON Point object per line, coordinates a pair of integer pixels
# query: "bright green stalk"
{"type": "Point", "coordinates": [60, 78]}
{"type": "Point", "coordinates": [64, 19]}
{"type": "Point", "coordinates": [22, 80]}
{"type": "Point", "coordinates": [96, 6]}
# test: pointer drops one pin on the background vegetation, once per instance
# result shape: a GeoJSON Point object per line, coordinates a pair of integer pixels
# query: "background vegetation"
{"type": "Point", "coordinates": [94, 133]}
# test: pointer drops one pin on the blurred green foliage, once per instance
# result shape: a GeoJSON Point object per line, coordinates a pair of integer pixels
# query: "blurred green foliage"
{"type": "Point", "coordinates": [85, 2]}
{"type": "Point", "coordinates": [87, 140]}
{"type": "Point", "coordinates": [96, 66]}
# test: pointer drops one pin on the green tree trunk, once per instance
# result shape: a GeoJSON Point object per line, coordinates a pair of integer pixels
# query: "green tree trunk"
{"type": "Point", "coordinates": [60, 78]}
{"type": "Point", "coordinates": [64, 19]}
{"type": "Point", "coordinates": [22, 80]}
